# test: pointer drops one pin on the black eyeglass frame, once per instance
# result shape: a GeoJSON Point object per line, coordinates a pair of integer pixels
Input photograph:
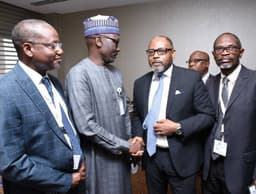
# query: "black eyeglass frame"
{"type": "Point", "coordinates": [229, 49]}
{"type": "Point", "coordinates": [159, 51]}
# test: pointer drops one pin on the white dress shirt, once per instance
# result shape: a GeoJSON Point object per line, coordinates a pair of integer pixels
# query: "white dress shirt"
{"type": "Point", "coordinates": [58, 101]}
{"type": "Point", "coordinates": [161, 141]}
{"type": "Point", "coordinates": [231, 83]}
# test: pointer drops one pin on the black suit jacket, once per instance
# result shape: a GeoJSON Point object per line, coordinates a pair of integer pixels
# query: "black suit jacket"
{"type": "Point", "coordinates": [188, 104]}
{"type": "Point", "coordinates": [240, 132]}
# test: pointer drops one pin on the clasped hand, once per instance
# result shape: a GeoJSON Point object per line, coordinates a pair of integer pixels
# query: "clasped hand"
{"type": "Point", "coordinates": [136, 146]}
{"type": "Point", "coordinates": [80, 175]}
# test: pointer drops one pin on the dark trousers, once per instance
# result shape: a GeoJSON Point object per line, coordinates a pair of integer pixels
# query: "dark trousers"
{"type": "Point", "coordinates": [215, 183]}
{"type": "Point", "coordinates": [160, 172]}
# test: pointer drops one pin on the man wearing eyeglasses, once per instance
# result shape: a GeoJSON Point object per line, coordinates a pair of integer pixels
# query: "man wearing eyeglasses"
{"type": "Point", "coordinates": [171, 109]}
{"type": "Point", "coordinates": [99, 108]}
{"type": "Point", "coordinates": [39, 147]}
{"type": "Point", "coordinates": [200, 61]}
{"type": "Point", "coordinates": [230, 152]}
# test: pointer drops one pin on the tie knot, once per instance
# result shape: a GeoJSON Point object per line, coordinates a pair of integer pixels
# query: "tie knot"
{"type": "Point", "coordinates": [46, 81]}
{"type": "Point", "coordinates": [225, 80]}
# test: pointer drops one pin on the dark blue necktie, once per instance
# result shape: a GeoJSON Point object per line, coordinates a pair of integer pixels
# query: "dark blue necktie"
{"type": "Point", "coordinates": [67, 126]}
{"type": "Point", "coordinates": [152, 117]}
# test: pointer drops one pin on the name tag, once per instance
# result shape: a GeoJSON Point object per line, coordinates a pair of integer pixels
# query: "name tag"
{"type": "Point", "coordinates": [121, 106]}
{"type": "Point", "coordinates": [220, 147]}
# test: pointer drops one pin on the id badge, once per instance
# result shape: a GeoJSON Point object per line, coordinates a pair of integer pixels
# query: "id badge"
{"type": "Point", "coordinates": [252, 189]}
{"type": "Point", "coordinates": [220, 147]}
{"type": "Point", "coordinates": [121, 106]}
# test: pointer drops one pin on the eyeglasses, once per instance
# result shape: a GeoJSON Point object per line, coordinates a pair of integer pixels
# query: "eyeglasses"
{"type": "Point", "coordinates": [52, 45]}
{"type": "Point", "coordinates": [160, 51]}
{"type": "Point", "coordinates": [196, 61]}
{"type": "Point", "coordinates": [116, 41]}
{"type": "Point", "coordinates": [229, 49]}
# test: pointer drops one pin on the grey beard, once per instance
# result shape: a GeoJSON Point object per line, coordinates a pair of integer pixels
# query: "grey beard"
{"type": "Point", "coordinates": [158, 69]}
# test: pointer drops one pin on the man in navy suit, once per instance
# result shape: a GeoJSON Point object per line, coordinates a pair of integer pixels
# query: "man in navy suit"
{"type": "Point", "coordinates": [37, 153]}
{"type": "Point", "coordinates": [185, 112]}
{"type": "Point", "coordinates": [230, 152]}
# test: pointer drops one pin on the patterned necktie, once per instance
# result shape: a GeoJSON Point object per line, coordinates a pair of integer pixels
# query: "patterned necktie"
{"type": "Point", "coordinates": [67, 126]}
{"type": "Point", "coordinates": [224, 93]}
{"type": "Point", "coordinates": [152, 117]}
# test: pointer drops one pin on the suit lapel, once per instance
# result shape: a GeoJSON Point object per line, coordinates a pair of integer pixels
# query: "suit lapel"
{"type": "Point", "coordinates": [241, 83]}
{"type": "Point", "coordinates": [214, 94]}
{"type": "Point", "coordinates": [30, 89]}
{"type": "Point", "coordinates": [172, 88]}
{"type": "Point", "coordinates": [145, 92]}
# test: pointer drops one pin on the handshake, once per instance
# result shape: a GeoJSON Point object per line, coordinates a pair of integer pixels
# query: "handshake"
{"type": "Point", "coordinates": [136, 146]}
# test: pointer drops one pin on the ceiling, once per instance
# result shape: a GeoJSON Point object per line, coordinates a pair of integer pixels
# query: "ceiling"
{"type": "Point", "coordinates": [69, 6]}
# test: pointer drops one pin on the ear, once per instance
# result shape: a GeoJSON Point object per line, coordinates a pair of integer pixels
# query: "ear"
{"type": "Point", "coordinates": [241, 52]}
{"type": "Point", "coordinates": [173, 53]}
{"type": "Point", "coordinates": [98, 42]}
{"type": "Point", "coordinates": [27, 49]}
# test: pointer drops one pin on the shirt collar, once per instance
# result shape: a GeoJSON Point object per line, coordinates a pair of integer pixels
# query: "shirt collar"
{"type": "Point", "coordinates": [205, 77]}
{"type": "Point", "coordinates": [34, 76]}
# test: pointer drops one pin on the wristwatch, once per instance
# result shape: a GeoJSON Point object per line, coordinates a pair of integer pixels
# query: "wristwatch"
{"type": "Point", "coordinates": [179, 131]}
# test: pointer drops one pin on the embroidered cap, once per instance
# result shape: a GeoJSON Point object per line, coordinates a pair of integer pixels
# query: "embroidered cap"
{"type": "Point", "coordinates": [101, 24]}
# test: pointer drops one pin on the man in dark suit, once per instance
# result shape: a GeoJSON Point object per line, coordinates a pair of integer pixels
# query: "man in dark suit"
{"type": "Point", "coordinates": [230, 152]}
{"type": "Point", "coordinates": [174, 148]}
{"type": "Point", "coordinates": [200, 61]}
{"type": "Point", "coordinates": [39, 154]}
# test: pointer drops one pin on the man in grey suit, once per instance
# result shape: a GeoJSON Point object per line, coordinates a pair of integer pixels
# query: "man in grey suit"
{"type": "Point", "coordinates": [39, 150]}
{"type": "Point", "coordinates": [174, 146]}
{"type": "Point", "coordinates": [230, 152]}
{"type": "Point", "coordinates": [99, 108]}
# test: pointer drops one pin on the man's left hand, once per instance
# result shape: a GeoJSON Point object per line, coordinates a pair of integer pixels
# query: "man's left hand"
{"type": "Point", "coordinates": [165, 127]}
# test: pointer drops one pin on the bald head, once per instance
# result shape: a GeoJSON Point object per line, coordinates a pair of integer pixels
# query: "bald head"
{"type": "Point", "coordinates": [28, 30]}
{"type": "Point", "coordinates": [199, 61]}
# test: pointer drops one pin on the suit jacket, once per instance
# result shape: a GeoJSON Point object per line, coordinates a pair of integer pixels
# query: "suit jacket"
{"type": "Point", "coordinates": [190, 106]}
{"type": "Point", "coordinates": [34, 155]}
{"type": "Point", "coordinates": [239, 133]}
{"type": "Point", "coordinates": [208, 80]}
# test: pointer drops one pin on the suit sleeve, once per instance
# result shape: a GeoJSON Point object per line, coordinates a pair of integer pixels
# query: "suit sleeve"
{"type": "Point", "coordinates": [204, 113]}
{"type": "Point", "coordinates": [16, 163]}
{"type": "Point", "coordinates": [137, 129]}
{"type": "Point", "coordinates": [80, 99]}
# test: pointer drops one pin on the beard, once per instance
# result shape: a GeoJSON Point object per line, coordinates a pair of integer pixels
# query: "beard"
{"type": "Point", "coordinates": [225, 66]}
{"type": "Point", "coordinates": [158, 69]}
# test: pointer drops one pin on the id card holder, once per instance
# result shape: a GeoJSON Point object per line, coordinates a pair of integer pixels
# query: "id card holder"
{"type": "Point", "coordinates": [121, 106]}
{"type": "Point", "coordinates": [120, 100]}
{"type": "Point", "coordinates": [220, 147]}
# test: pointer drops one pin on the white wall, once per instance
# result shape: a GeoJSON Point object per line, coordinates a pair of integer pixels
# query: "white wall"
{"type": "Point", "coordinates": [192, 25]}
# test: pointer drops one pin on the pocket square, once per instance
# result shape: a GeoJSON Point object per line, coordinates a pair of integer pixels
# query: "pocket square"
{"type": "Point", "coordinates": [177, 92]}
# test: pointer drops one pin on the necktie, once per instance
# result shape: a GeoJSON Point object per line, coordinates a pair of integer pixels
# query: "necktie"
{"type": "Point", "coordinates": [67, 126]}
{"type": "Point", "coordinates": [224, 93]}
{"type": "Point", "coordinates": [152, 117]}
